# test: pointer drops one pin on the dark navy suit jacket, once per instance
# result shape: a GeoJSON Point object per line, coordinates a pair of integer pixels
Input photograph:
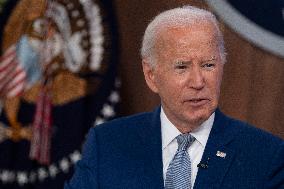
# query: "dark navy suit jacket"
{"type": "Point", "coordinates": [127, 154]}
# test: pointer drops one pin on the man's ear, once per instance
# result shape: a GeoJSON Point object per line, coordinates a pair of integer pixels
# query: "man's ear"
{"type": "Point", "coordinates": [149, 76]}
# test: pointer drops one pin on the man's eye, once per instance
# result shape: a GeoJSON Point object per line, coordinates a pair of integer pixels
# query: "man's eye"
{"type": "Point", "coordinates": [208, 65]}
{"type": "Point", "coordinates": [181, 67]}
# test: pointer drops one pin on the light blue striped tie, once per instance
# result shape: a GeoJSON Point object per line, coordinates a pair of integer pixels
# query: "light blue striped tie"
{"type": "Point", "coordinates": [178, 175]}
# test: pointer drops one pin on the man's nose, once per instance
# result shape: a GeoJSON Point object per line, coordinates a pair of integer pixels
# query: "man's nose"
{"type": "Point", "coordinates": [196, 79]}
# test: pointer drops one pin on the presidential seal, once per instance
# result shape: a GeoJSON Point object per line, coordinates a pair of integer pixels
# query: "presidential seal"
{"type": "Point", "coordinates": [261, 22]}
{"type": "Point", "coordinates": [57, 79]}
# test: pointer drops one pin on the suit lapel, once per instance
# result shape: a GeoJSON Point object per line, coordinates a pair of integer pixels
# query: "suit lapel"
{"type": "Point", "coordinates": [220, 156]}
{"type": "Point", "coordinates": [216, 155]}
{"type": "Point", "coordinates": [150, 136]}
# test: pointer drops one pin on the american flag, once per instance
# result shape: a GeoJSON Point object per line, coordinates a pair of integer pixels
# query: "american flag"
{"type": "Point", "coordinates": [12, 74]}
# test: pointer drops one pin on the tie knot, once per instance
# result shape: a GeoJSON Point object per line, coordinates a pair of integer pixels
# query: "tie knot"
{"type": "Point", "coordinates": [184, 141]}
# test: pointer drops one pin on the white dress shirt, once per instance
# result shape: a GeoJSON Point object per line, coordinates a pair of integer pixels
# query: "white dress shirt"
{"type": "Point", "coordinates": [195, 151]}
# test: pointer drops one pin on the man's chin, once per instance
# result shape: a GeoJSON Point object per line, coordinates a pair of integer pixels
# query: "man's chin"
{"type": "Point", "coordinates": [198, 118]}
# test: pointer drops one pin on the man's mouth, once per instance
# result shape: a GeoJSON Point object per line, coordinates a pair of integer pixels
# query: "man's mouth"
{"type": "Point", "coordinates": [198, 101]}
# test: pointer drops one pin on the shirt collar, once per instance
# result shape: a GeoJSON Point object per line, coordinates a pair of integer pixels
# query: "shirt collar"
{"type": "Point", "coordinates": [170, 132]}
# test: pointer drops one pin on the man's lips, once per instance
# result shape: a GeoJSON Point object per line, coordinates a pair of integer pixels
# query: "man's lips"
{"type": "Point", "coordinates": [197, 101]}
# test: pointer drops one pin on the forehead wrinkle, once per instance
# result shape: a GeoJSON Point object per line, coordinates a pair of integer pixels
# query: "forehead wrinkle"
{"type": "Point", "coordinates": [169, 33]}
{"type": "Point", "coordinates": [171, 40]}
{"type": "Point", "coordinates": [184, 51]}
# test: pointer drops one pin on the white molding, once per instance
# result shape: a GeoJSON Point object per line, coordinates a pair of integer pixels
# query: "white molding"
{"type": "Point", "coordinates": [252, 32]}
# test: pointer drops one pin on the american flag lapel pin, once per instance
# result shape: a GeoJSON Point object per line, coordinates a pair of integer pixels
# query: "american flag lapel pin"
{"type": "Point", "coordinates": [221, 154]}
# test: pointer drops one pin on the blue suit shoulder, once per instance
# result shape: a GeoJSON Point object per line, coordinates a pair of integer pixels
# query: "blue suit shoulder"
{"type": "Point", "coordinates": [255, 155]}
{"type": "Point", "coordinates": [124, 129]}
{"type": "Point", "coordinates": [125, 123]}
{"type": "Point", "coordinates": [248, 133]}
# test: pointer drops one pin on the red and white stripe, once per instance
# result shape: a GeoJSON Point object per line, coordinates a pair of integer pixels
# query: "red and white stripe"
{"type": "Point", "coordinates": [42, 127]}
{"type": "Point", "coordinates": [12, 75]}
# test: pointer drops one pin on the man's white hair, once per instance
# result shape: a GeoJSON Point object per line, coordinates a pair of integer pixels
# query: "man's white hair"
{"type": "Point", "coordinates": [177, 17]}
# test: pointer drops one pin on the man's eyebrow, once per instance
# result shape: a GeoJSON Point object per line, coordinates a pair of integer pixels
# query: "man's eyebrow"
{"type": "Point", "coordinates": [182, 62]}
{"type": "Point", "coordinates": [210, 59]}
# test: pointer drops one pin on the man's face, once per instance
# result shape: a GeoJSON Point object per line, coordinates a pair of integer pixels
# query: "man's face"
{"type": "Point", "coordinates": [187, 74]}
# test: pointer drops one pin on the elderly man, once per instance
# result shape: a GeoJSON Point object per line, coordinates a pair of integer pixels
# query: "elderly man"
{"type": "Point", "coordinates": [186, 142]}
